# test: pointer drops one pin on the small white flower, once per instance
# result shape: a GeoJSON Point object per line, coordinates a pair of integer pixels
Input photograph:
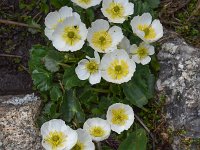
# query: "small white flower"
{"type": "Point", "coordinates": [56, 135]}
{"type": "Point", "coordinates": [117, 67]}
{"type": "Point", "coordinates": [102, 38]}
{"type": "Point", "coordinates": [147, 30]}
{"type": "Point", "coordinates": [84, 141]}
{"type": "Point", "coordinates": [89, 68]}
{"type": "Point", "coordinates": [141, 54]}
{"type": "Point", "coordinates": [117, 11]}
{"type": "Point", "coordinates": [54, 18]}
{"type": "Point", "coordinates": [98, 129]}
{"type": "Point", "coordinates": [86, 3]}
{"type": "Point", "coordinates": [70, 35]}
{"type": "Point", "coordinates": [124, 44]}
{"type": "Point", "coordinates": [120, 117]}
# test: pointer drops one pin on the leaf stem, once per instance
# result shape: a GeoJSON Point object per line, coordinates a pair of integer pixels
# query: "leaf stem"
{"type": "Point", "coordinates": [64, 65]}
{"type": "Point", "coordinates": [100, 90]}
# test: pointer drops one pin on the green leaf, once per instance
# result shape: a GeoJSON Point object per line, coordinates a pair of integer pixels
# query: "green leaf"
{"type": "Point", "coordinates": [52, 60]}
{"type": "Point", "coordinates": [70, 79]}
{"type": "Point", "coordinates": [153, 3]}
{"type": "Point", "coordinates": [90, 14]}
{"type": "Point", "coordinates": [71, 107]}
{"type": "Point", "coordinates": [135, 95]}
{"type": "Point", "coordinates": [55, 93]}
{"type": "Point", "coordinates": [135, 141]}
{"type": "Point", "coordinates": [141, 87]}
{"type": "Point", "coordinates": [42, 79]}
{"type": "Point", "coordinates": [37, 53]}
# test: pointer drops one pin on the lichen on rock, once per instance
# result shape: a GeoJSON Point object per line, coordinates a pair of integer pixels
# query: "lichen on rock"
{"type": "Point", "coordinates": [179, 78]}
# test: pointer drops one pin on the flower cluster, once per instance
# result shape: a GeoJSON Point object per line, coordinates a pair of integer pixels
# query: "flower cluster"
{"type": "Point", "coordinates": [56, 135]}
{"type": "Point", "coordinates": [117, 63]}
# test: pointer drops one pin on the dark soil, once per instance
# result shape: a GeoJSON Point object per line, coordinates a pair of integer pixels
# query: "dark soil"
{"type": "Point", "coordinates": [15, 44]}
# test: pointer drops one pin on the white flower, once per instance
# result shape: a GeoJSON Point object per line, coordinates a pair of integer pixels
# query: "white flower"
{"type": "Point", "coordinates": [124, 44]}
{"type": "Point", "coordinates": [98, 129]}
{"type": "Point", "coordinates": [120, 117]}
{"type": "Point", "coordinates": [117, 11]}
{"type": "Point", "coordinates": [89, 68]}
{"type": "Point", "coordinates": [56, 135]}
{"type": "Point", "coordinates": [70, 35]}
{"type": "Point", "coordinates": [117, 67]}
{"type": "Point", "coordinates": [54, 18]}
{"type": "Point", "coordinates": [84, 141]}
{"type": "Point", "coordinates": [147, 30]}
{"type": "Point", "coordinates": [102, 38]}
{"type": "Point", "coordinates": [86, 3]}
{"type": "Point", "coordinates": [141, 54]}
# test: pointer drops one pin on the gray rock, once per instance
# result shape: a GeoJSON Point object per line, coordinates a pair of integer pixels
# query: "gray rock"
{"type": "Point", "coordinates": [17, 122]}
{"type": "Point", "coordinates": [179, 78]}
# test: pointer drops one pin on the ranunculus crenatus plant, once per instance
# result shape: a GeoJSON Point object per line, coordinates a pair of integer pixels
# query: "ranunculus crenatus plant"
{"type": "Point", "coordinates": [99, 64]}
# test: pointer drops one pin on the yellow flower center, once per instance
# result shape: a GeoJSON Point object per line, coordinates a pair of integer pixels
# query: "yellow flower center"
{"type": "Point", "coordinates": [102, 40]}
{"type": "Point", "coordinates": [148, 30]}
{"type": "Point", "coordinates": [92, 67]}
{"type": "Point", "coordinates": [142, 52]}
{"type": "Point", "coordinates": [85, 1]}
{"type": "Point", "coordinates": [55, 139]}
{"type": "Point", "coordinates": [119, 116]}
{"type": "Point", "coordinates": [78, 146]}
{"type": "Point", "coordinates": [115, 10]}
{"type": "Point", "coordinates": [97, 131]}
{"type": "Point", "coordinates": [71, 35]}
{"type": "Point", "coordinates": [118, 69]}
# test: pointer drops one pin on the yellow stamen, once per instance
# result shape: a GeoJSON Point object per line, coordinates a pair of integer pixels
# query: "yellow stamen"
{"type": "Point", "coordinates": [97, 131]}
{"type": "Point", "coordinates": [142, 52]}
{"type": "Point", "coordinates": [78, 146]}
{"type": "Point", "coordinates": [115, 10]}
{"type": "Point", "coordinates": [92, 66]}
{"type": "Point", "coordinates": [85, 1]}
{"type": "Point", "coordinates": [71, 35]}
{"type": "Point", "coordinates": [148, 30]}
{"type": "Point", "coordinates": [118, 69]}
{"type": "Point", "coordinates": [55, 139]}
{"type": "Point", "coordinates": [102, 40]}
{"type": "Point", "coordinates": [119, 116]}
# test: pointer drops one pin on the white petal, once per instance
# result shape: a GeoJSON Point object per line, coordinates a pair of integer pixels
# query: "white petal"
{"type": "Point", "coordinates": [72, 138]}
{"type": "Point", "coordinates": [124, 44]}
{"type": "Point", "coordinates": [117, 35]}
{"type": "Point", "coordinates": [146, 60]}
{"type": "Point", "coordinates": [65, 12]}
{"type": "Point", "coordinates": [100, 24]}
{"type": "Point", "coordinates": [95, 78]}
{"type": "Point", "coordinates": [85, 139]}
{"type": "Point", "coordinates": [52, 19]}
{"type": "Point", "coordinates": [81, 71]}
{"type": "Point", "coordinates": [129, 9]}
{"type": "Point", "coordinates": [136, 59]}
{"type": "Point", "coordinates": [49, 32]}
{"type": "Point", "coordinates": [97, 57]}
{"type": "Point", "coordinates": [133, 49]}
{"type": "Point", "coordinates": [58, 42]}
{"type": "Point", "coordinates": [146, 19]}
{"type": "Point", "coordinates": [158, 29]}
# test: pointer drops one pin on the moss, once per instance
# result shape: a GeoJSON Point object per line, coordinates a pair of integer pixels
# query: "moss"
{"type": "Point", "coordinates": [189, 23]}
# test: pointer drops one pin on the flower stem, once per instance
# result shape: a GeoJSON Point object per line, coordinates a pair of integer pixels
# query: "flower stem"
{"type": "Point", "coordinates": [98, 144]}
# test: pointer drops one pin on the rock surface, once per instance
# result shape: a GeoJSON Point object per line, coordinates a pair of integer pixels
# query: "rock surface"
{"type": "Point", "coordinates": [179, 78]}
{"type": "Point", "coordinates": [17, 122]}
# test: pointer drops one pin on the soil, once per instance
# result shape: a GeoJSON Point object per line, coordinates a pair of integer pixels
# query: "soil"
{"type": "Point", "coordinates": [15, 44]}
